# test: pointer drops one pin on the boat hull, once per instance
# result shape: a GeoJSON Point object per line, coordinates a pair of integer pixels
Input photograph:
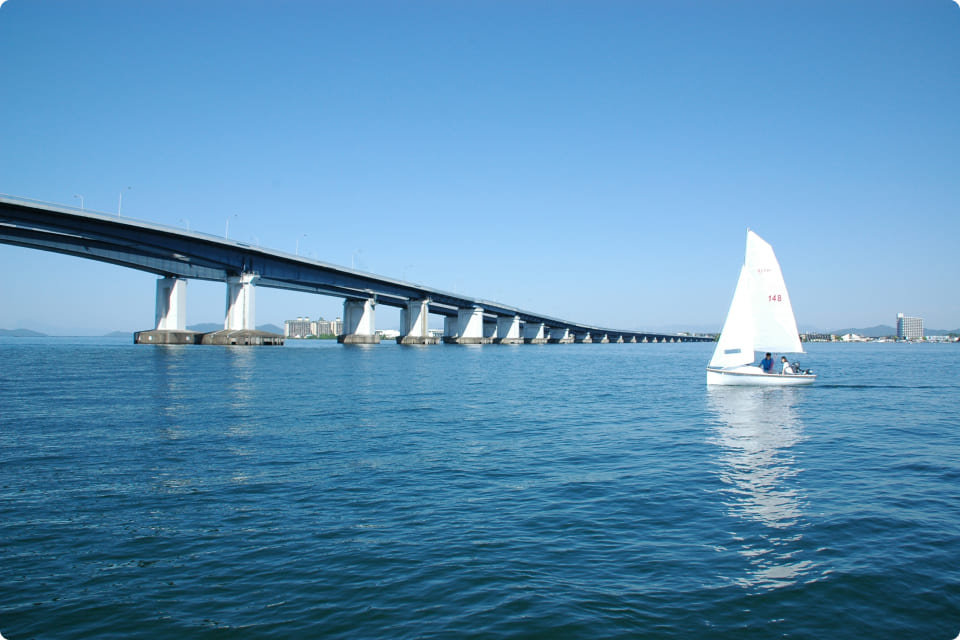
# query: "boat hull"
{"type": "Point", "coordinates": [754, 377]}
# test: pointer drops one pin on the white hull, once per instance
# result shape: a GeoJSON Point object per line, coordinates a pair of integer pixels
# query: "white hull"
{"type": "Point", "coordinates": [749, 376]}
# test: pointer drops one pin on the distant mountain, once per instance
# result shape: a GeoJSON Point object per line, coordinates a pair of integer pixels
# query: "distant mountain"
{"type": "Point", "coordinates": [22, 333]}
{"type": "Point", "coordinates": [879, 331]}
{"type": "Point", "coordinates": [208, 327]}
{"type": "Point", "coordinates": [940, 332]}
{"type": "Point", "coordinates": [882, 330]}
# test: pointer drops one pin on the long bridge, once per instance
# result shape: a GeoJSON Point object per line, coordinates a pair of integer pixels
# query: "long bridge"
{"type": "Point", "coordinates": [177, 256]}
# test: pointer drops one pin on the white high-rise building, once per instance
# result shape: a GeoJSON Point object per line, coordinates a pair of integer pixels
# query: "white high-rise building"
{"type": "Point", "coordinates": [329, 327]}
{"type": "Point", "coordinates": [299, 328]}
{"type": "Point", "coordinates": [909, 328]}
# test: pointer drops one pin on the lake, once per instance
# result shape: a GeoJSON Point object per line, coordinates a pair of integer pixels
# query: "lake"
{"type": "Point", "coordinates": [535, 491]}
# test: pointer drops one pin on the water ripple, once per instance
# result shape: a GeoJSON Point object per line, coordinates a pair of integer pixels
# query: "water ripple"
{"type": "Point", "coordinates": [575, 491]}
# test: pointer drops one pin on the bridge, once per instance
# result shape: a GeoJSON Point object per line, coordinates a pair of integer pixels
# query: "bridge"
{"type": "Point", "coordinates": [177, 256]}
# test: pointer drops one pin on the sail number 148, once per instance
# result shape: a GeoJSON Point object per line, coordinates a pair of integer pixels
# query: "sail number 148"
{"type": "Point", "coordinates": [775, 298]}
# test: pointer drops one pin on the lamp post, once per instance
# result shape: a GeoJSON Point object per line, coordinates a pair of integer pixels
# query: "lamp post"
{"type": "Point", "coordinates": [77, 195]}
{"type": "Point", "coordinates": [226, 228]}
{"type": "Point", "coordinates": [354, 256]}
{"type": "Point", "coordinates": [186, 222]}
{"type": "Point", "coordinates": [120, 202]}
{"type": "Point", "coordinates": [298, 244]}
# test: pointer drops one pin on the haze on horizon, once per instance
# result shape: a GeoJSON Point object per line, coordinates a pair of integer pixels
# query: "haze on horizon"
{"type": "Point", "coordinates": [598, 162]}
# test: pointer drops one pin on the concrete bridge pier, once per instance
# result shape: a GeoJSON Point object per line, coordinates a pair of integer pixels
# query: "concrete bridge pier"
{"type": "Point", "coordinates": [171, 304]}
{"type": "Point", "coordinates": [171, 315]}
{"type": "Point", "coordinates": [241, 303]}
{"type": "Point", "coordinates": [534, 333]}
{"type": "Point", "coordinates": [450, 329]}
{"type": "Point", "coordinates": [582, 338]}
{"type": "Point", "coordinates": [490, 330]}
{"type": "Point", "coordinates": [239, 324]}
{"type": "Point", "coordinates": [559, 336]}
{"type": "Point", "coordinates": [358, 322]}
{"type": "Point", "coordinates": [414, 324]}
{"type": "Point", "coordinates": [469, 327]}
{"type": "Point", "coordinates": [508, 330]}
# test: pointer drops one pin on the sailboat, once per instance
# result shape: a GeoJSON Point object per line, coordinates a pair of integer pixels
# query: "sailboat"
{"type": "Point", "coordinates": [760, 319]}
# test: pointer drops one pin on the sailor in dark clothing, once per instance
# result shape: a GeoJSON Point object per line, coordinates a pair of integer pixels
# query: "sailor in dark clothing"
{"type": "Point", "coordinates": [767, 364]}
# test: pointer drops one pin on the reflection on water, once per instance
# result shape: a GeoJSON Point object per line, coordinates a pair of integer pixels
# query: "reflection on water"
{"type": "Point", "coordinates": [172, 392]}
{"type": "Point", "coordinates": [757, 431]}
{"type": "Point", "coordinates": [172, 399]}
{"type": "Point", "coordinates": [179, 396]}
{"type": "Point", "coordinates": [239, 385]}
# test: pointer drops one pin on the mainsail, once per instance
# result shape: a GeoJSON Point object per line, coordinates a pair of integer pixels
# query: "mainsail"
{"type": "Point", "coordinates": [760, 317]}
{"type": "Point", "coordinates": [775, 328]}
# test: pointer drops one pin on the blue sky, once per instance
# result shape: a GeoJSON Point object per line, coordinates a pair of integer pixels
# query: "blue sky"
{"type": "Point", "coordinates": [596, 161]}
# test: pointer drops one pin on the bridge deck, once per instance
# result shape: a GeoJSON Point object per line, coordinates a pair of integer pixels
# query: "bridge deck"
{"type": "Point", "coordinates": [166, 251]}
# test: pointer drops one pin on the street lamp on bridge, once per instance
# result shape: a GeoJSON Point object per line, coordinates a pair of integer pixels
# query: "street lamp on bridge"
{"type": "Point", "coordinates": [120, 201]}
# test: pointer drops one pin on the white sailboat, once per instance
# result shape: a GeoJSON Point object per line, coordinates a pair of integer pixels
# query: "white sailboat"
{"type": "Point", "coordinates": [760, 319]}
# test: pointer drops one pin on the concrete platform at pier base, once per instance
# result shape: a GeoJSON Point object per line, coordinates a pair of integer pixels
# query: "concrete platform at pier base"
{"type": "Point", "coordinates": [583, 340]}
{"type": "Point", "coordinates": [559, 340]}
{"type": "Point", "coordinates": [358, 338]}
{"type": "Point", "coordinates": [508, 341]}
{"type": "Point", "coordinates": [165, 336]}
{"type": "Point", "coordinates": [418, 340]}
{"type": "Point", "coordinates": [248, 337]}
{"type": "Point", "coordinates": [534, 341]}
{"type": "Point", "coordinates": [465, 340]}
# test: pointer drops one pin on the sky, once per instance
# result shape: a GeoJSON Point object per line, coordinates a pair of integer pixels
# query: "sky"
{"type": "Point", "coordinates": [597, 161]}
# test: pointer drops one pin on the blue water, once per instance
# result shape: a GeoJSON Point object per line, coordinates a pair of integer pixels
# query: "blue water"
{"type": "Point", "coordinates": [556, 491]}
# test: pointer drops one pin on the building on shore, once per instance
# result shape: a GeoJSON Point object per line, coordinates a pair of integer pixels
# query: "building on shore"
{"type": "Point", "coordinates": [909, 328]}
{"type": "Point", "coordinates": [853, 337]}
{"type": "Point", "coordinates": [329, 327]}
{"type": "Point", "coordinates": [299, 328]}
{"type": "Point", "coordinates": [307, 328]}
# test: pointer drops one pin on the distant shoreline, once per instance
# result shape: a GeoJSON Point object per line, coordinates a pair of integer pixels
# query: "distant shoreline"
{"type": "Point", "coordinates": [944, 338]}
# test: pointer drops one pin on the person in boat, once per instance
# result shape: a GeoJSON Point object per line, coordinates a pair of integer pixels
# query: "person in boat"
{"type": "Point", "coordinates": [767, 364]}
{"type": "Point", "coordinates": [785, 367]}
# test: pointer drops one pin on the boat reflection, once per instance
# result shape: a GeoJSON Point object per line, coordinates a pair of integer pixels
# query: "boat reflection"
{"type": "Point", "coordinates": [757, 430]}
